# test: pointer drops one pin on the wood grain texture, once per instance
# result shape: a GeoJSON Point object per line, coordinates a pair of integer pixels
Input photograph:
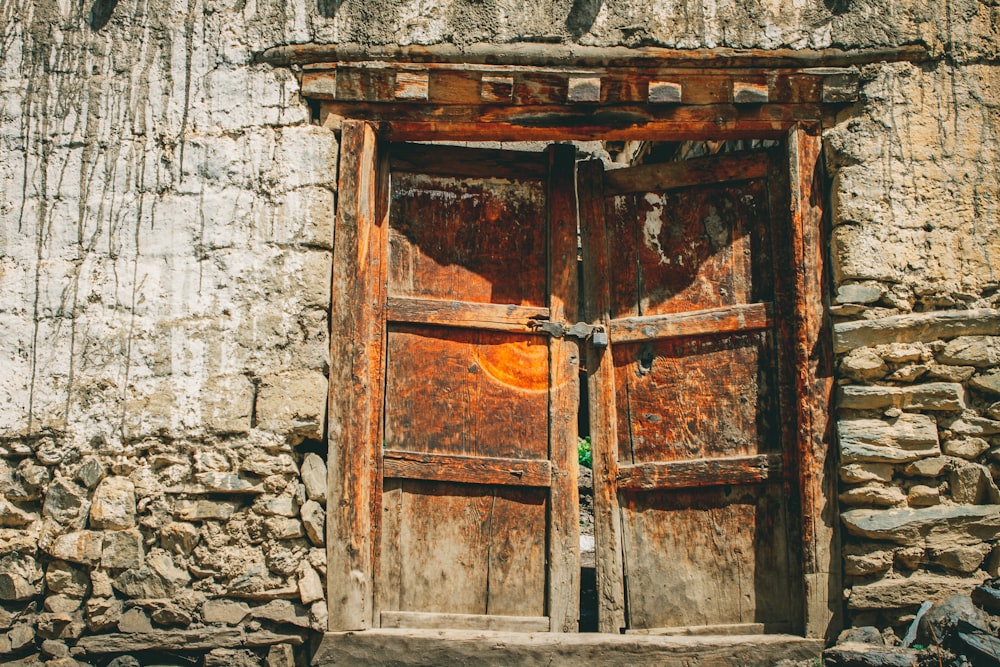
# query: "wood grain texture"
{"type": "Point", "coordinates": [467, 469]}
{"type": "Point", "coordinates": [727, 319]}
{"type": "Point", "coordinates": [490, 316]}
{"type": "Point", "coordinates": [467, 393]}
{"type": "Point", "coordinates": [564, 369]}
{"type": "Point", "coordinates": [723, 559]}
{"type": "Point", "coordinates": [467, 239]}
{"type": "Point", "coordinates": [601, 391]}
{"type": "Point", "coordinates": [821, 560]}
{"type": "Point", "coordinates": [701, 472]}
{"type": "Point", "coordinates": [469, 549]}
{"type": "Point", "coordinates": [700, 397]}
{"type": "Point", "coordinates": [356, 345]}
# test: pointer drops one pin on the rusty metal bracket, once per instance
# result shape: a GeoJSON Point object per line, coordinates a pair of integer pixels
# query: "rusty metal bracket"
{"type": "Point", "coordinates": [581, 330]}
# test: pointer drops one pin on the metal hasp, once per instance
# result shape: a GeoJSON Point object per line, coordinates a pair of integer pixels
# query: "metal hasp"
{"type": "Point", "coordinates": [595, 332]}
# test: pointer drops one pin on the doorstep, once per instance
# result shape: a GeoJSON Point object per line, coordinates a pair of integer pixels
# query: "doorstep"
{"type": "Point", "coordinates": [473, 648]}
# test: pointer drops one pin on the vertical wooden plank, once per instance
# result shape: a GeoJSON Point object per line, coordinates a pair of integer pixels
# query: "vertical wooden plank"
{"type": "Point", "coordinates": [517, 558]}
{"type": "Point", "coordinates": [355, 381]}
{"type": "Point", "coordinates": [813, 386]}
{"type": "Point", "coordinates": [388, 564]}
{"type": "Point", "coordinates": [601, 385]}
{"type": "Point", "coordinates": [564, 365]}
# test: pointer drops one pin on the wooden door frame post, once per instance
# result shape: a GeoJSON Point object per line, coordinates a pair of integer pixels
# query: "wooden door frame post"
{"type": "Point", "coordinates": [354, 397]}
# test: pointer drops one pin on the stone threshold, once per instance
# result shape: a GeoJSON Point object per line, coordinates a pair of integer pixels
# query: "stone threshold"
{"type": "Point", "coordinates": [472, 648]}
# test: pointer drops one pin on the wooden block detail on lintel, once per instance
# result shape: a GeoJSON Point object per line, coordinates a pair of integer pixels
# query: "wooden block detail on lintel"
{"type": "Point", "coordinates": [411, 85]}
{"type": "Point", "coordinates": [583, 89]}
{"type": "Point", "coordinates": [664, 92]}
{"type": "Point", "coordinates": [496, 88]}
{"type": "Point", "coordinates": [748, 92]}
{"type": "Point", "coordinates": [321, 84]}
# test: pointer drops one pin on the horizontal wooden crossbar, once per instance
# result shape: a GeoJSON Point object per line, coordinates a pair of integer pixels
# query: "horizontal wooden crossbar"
{"type": "Point", "coordinates": [700, 472]}
{"type": "Point", "coordinates": [729, 319]}
{"type": "Point", "coordinates": [466, 469]}
{"type": "Point", "coordinates": [491, 316]}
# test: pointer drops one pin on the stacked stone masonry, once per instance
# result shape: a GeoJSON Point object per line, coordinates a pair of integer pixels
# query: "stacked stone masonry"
{"type": "Point", "coordinates": [166, 226]}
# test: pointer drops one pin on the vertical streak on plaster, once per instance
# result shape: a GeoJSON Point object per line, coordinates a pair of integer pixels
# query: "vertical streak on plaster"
{"type": "Point", "coordinates": [188, 49]}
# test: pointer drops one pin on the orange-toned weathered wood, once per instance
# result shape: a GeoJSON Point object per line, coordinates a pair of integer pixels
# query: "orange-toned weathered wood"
{"type": "Point", "coordinates": [497, 122]}
{"type": "Point", "coordinates": [813, 388]}
{"type": "Point", "coordinates": [601, 391]}
{"type": "Point", "coordinates": [700, 472]}
{"type": "Point", "coordinates": [697, 410]}
{"type": "Point", "coordinates": [356, 344]}
{"type": "Point", "coordinates": [466, 469]}
{"type": "Point", "coordinates": [492, 316]}
{"type": "Point", "coordinates": [564, 396]}
{"type": "Point", "coordinates": [726, 319]}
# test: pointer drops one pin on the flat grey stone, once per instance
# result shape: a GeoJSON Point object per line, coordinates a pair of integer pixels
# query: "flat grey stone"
{"type": "Point", "coordinates": [971, 351]}
{"type": "Point", "coordinates": [907, 438]}
{"type": "Point", "coordinates": [915, 327]}
{"type": "Point", "coordinates": [908, 591]}
{"type": "Point", "coordinates": [930, 526]}
{"type": "Point", "coordinates": [929, 396]}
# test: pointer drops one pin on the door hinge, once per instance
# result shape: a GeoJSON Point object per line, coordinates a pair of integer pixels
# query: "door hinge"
{"type": "Point", "coordinates": [581, 330]}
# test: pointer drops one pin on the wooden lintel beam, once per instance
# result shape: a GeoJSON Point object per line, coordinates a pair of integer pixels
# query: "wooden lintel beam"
{"type": "Point", "coordinates": [466, 469]}
{"type": "Point", "coordinates": [552, 55]}
{"type": "Point", "coordinates": [700, 472]}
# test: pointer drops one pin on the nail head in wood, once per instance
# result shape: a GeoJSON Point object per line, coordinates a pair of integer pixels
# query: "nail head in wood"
{"type": "Point", "coordinates": [664, 92]}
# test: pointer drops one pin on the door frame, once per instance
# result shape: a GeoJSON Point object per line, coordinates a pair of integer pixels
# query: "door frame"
{"type": "Point", "coordinates": [356, 344]}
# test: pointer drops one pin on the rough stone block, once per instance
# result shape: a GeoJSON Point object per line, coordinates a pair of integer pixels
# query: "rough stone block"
{"type": "Point", "coordinates": [913, 328]}
{"type": "Point", "coordinates": [21, 577]}
{"type": "Point", "coordinates": [303, 217]}
{"type": "Point", "coordinates": [122, 549]}
{"type": "Point", "coordinates": [203, 510]}
{"type": "Point", "coordinates": [227, 404]}
{"type": "Point", "coordinates": [225, 612]}
{"type": "Point", "coordinates": [103, 613]}
{"type": "Point", "coordinates": [906, 438]}
{"type": "Point", "coordinates": [66, 579]}
{"type": "Point", "coordinates": [856, 473]}
{"type": "Point", "coordinates": [988, 383]}
{"type": "Point", "coordinates": [66, 502]}
{"type": "Point", "coordinates": [962, 559]}
{"type": "Point", "coordinates": [314, 521]}
{"type": "Point", "coordinates": [969, 448]}
{"type": "Point", "coordinates": [930, 527]}
{"type": "Point", "coordinates": [863, 365]}
{"type": "Point", "coordinates": [178, 537]}
{"type": "Point", "coordinates": [972, 483]}
{"type": "Point", "coordinates": [873, 495]}
{"type": "Point", "coordinates": [310, 585]}
{"type": "Point", "coordinates": [83, 546]}
{"type": "Point", "coordinates": [921, 495]}
{"type": "Point", "coordinates": [971, 351]}
{"type": "Point", "coordinates": [930, 396]}
{"type": "Point", "coordinates": [113, 504]}
{"type": "Point", "coordinates": [314, 477]}
{"type": "Point", "coordinates": [911, 591]}
{"type": "Point", "coordinates": [293, 404]}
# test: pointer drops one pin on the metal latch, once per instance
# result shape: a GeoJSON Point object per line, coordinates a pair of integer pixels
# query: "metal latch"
{"type": "Point", "coordinates": [595, 332]}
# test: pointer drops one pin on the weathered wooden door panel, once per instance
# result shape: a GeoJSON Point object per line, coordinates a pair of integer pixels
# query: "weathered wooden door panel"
{"type": "Point", "coordinates": [691, 452]}
{"type": "Point", "coordinates": [477, 486]}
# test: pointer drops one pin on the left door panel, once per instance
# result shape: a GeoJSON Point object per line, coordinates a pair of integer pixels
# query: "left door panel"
{"type": "Point", "coordinates": [473, 459]}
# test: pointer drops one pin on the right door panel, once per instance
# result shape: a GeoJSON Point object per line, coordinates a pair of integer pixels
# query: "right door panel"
{"type": "Point", "coordinates": [692, 479]}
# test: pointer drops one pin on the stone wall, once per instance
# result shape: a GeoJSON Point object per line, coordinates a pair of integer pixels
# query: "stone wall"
{"type": "Point", "coordinates": [915, 254]}
{"type": "Point", "coordinates": [166, 215]}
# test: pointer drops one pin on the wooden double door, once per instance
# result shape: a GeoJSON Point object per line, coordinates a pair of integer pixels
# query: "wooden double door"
{"type": "Point", "coordinates": [461, 382]}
